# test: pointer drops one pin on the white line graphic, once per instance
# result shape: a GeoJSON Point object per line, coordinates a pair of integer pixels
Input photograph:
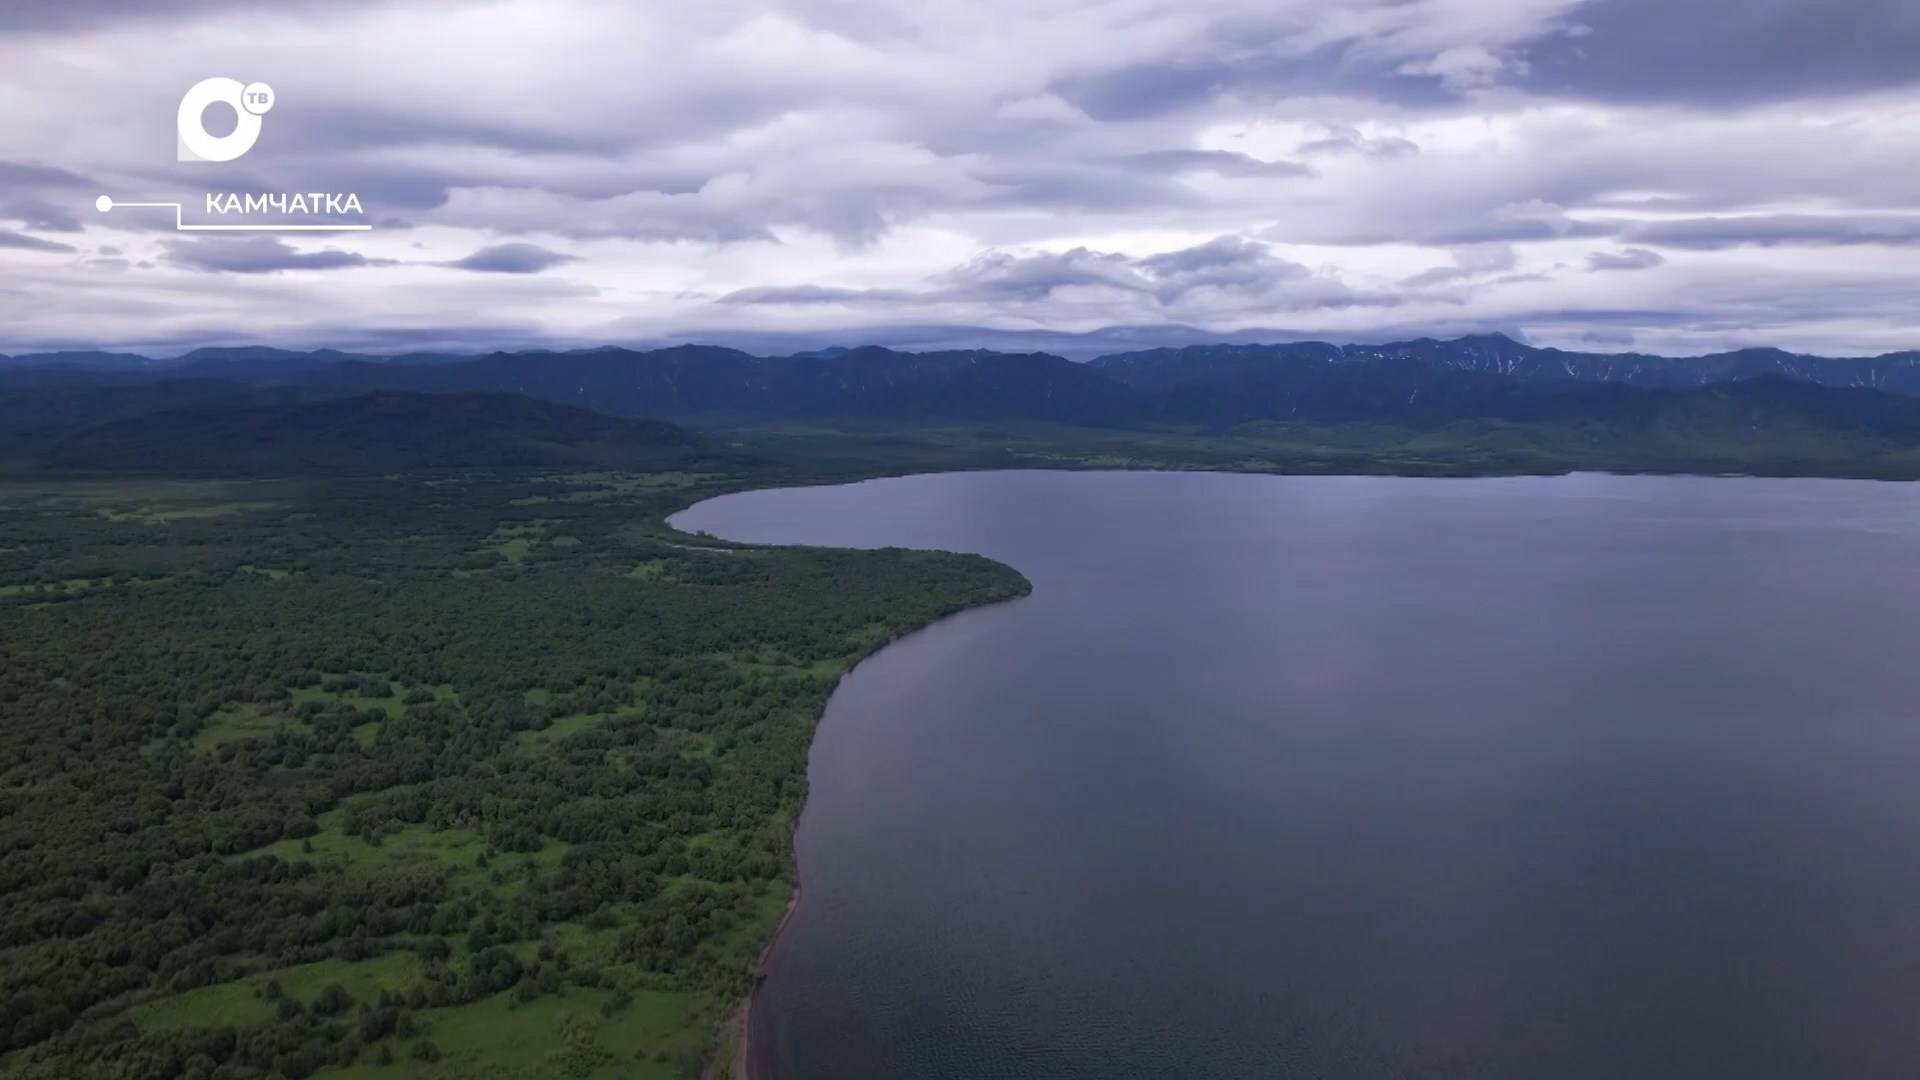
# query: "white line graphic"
{"type": "Point", "coordinates": [106, 205]}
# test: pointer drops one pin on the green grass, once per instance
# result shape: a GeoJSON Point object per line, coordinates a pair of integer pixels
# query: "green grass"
{"type": "Point", "coordinates": [560, 728]}
{"type": "Point", "coordinates": [150, 515]}
{"type": "Point", "coordinates": [769, 907]}
{"type": "Point", "coordinates": [239, 1003]}
{"type": "Point", "coordinates": [233, 1003]}
{"type": "Point", "coordinates": [454, 848]}
{"type": "Point", "coordinates": [135, 498]}
{"type": "Point", "coordinates": [591, 487]}
{"type": "Point", "coordinates": [392, 706]}
{"type": "Point", "coordinates": [513, 542]}
{"type": "Point", "coordinates": [70, 587]}
{"type": "Point", "coordinates": [564, 1036]}
{"type": "Point", "coordinates": [242, 722]}
{"type": "Point", "coordinates": [66, 587]}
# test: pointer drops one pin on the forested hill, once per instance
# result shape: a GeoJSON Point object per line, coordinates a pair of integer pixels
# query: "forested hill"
{"type": "Point", "coordinates": [703, 382]}
{"type": "Point", "coordinates": [1417, 383]}
{"type": "Point", "coordinates": [707, 377]}
{"type": "Point", "coordinates": [621, 409]}
{"type": "Point", "coordinates": [1496, 354]}
{"type": "Point", "coordinates": [373, 434]}
{"type": "Point", "coordinates": [705, 386]}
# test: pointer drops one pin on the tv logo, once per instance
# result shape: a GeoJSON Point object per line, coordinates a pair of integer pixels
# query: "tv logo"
{"type": "Point", "coordinates": [249, 102]}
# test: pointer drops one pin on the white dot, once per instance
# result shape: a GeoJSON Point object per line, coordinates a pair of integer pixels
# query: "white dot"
{"type": "Point", "coordinates": [257, 98]}
{"type": "Point", "coordinates": [103, 204]}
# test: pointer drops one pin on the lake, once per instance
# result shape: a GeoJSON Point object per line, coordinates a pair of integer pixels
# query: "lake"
{"type": "Point", "coordinates": [1588, 776]}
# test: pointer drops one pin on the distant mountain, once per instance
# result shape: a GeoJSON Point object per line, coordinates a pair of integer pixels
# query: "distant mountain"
{"type": "Point", "coordinates": [83, 361]}
{"type": "Point", "coordinates": [375, 434]}
{"type": "Point", "coordinates": [1076, 346]}
{"type": "Point", "coordinates": [560, 410]}
{"type": "Point", "coordinates": [702, 382]}
{"type": "Point", "coordinates": [1423, 382]}
{"type": "Point", "coordinates": [40, 406]}
{"type": "Point", "coordinates": [675, 375]}
{"type": "Point", "coordinates": [1496, 354]}
{"type": "Point", "coordinates": [1214, 386]}
{"type": "Point", "coordinates": [876, 383]}
{"type": "Point", "coordinates": [270, 410]}
{"type": "Point", "coordinates": [687, 380]}
{"type": "Point", "coordinates": [259, 364]}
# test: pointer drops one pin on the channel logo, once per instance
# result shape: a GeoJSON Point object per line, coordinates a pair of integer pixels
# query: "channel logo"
{"type": "Point", "coordinates": [283, 211]}
{"type": "Point", "coordinates": [249, 102]}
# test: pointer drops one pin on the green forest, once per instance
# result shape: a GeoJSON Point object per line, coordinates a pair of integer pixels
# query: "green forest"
{"type": "Point", "coordinates": [475, 775]}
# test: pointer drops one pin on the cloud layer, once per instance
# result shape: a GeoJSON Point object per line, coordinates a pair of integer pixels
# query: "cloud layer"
{"type": "Point", "coordinates": [1667, 177]}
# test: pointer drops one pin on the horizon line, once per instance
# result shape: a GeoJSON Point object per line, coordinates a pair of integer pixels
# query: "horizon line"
{"type": "Point", "coordinates": [387, 354]}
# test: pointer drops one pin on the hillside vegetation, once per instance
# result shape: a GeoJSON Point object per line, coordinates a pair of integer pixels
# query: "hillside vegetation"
{"type": "Point", "coordinates": [1419, 408]}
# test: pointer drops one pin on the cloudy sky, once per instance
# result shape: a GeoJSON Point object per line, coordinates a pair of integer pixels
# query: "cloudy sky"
{"type": "Point", "coordinates": [1673, 176]}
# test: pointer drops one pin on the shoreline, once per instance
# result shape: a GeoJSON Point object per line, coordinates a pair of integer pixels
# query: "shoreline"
{"type": "Point", "coordinates": [736, 1029]}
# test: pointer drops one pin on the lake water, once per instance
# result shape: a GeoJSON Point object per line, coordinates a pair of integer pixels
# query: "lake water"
{"type": "Point", "coordinates": [1366, 777]}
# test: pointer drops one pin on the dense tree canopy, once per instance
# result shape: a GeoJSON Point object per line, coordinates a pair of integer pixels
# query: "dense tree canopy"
{"type": "Point", "coordinates": [290, 773]}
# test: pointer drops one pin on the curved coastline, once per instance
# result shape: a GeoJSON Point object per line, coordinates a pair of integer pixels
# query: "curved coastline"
{"type": "Point", "coordinates": [750, 1060]}
{"type": "Point", "coordinates": [1656, 534]}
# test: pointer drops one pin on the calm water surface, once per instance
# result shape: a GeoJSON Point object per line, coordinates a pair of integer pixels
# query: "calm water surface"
{"type": "Point", "coordinates": [1359, 777]}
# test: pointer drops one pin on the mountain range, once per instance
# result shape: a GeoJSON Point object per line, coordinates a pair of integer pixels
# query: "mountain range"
{"type": "Point", "coordinates": [283, 434]}
{"type": "Point", "coordinates": [1493, 354]}
{"type": "Point", "coordinates": [277, 409]}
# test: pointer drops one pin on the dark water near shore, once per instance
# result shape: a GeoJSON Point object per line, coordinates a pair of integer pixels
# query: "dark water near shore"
{"type": "Point", "coordinates": [1360, 777]}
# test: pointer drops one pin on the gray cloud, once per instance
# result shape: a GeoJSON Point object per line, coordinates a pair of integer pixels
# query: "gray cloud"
{"type": "Point", "coordinates": [1468, 263]}
{"type": "Point", "coordinates": [1084, 187]}
{"type": "Point", "coordinates": [1270, 56]}
{"type": "Point", "coordinates": [1729, 52]}
{"type": "Point", "coordinates": [20, 174]}
{"type": "Point", "coordinates": [257, 255]}
{"type": "Point", "coordinates": [1219, 162]}
{"type": "Point", "coordinates": [1629, 259]}
{"type": "Point", "coordinates": [514, 258]}
{"type": "Point", "coordinates": [23, 242]}
{"type": "Point", "coordinates": [1232, 268]}
{"type": "Point", "coordinates": [1229, 263]}
{"type": "Point", "coordinates": [1144, 90]}
{"type": "Point", "coordinates": [1767, 230]}
{"type": "Point", "coordinates": [813, 294]}
{"type": "Point", "coordinates": [32, 15]}
{"type": "Point", "coordinates": [1003, 276]}
{"type": "Point", "coordinates": [1347, 139]}
{"type": "Point", "coordinates": [1463, 224]}
{"type": "Point", "coordinates": [995, 164]}
{"type": "Point", "coordinates": [38, 214]}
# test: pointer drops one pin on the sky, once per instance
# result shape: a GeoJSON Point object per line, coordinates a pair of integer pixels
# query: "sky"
{"type": "Point", "coordinates": [1667, 176]}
